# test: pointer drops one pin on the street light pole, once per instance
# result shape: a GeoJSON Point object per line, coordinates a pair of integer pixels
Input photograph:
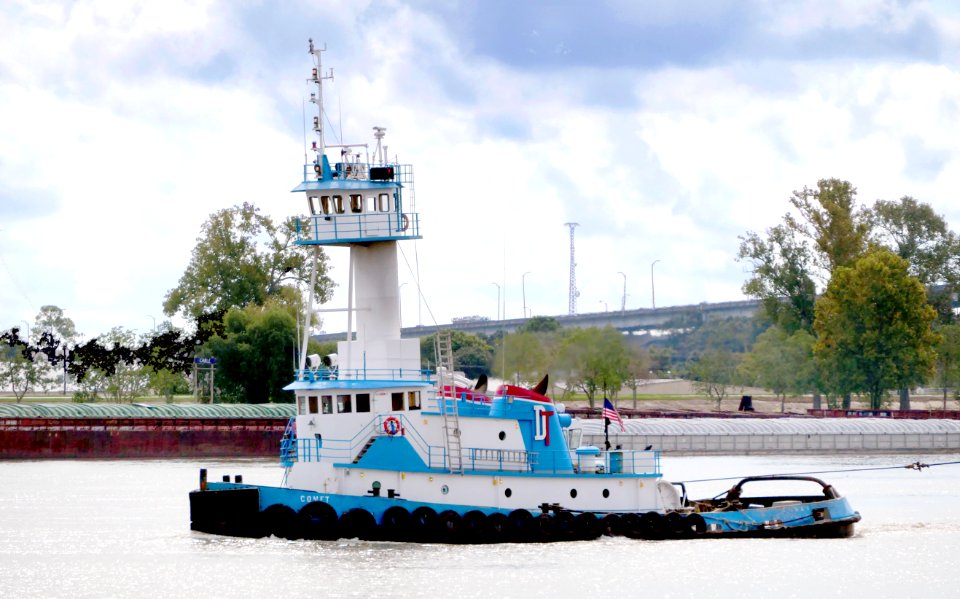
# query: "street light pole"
{"type": "Point", "coordinates": [606, 308]}
{"type": "Point", "coordinates": [154, 322]}
{"type": "Point", "coordinates": [623, 301]}
{"type": "Point", "coordinates": [653, 295]}
{"type": "Point", "coordinates": [498, 299]}
{"type": "Point", "coordinates": [523, 286]}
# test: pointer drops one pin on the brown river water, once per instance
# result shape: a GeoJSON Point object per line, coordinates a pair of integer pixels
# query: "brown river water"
{"type": "Point", "coordinates": [97, 528]}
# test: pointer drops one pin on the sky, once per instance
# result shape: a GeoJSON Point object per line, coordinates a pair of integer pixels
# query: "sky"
{"type": "Point", "coordinates": [666, 130]}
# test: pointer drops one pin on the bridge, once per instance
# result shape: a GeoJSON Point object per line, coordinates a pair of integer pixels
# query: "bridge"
{"type": "Point", "coordinates": [628, 321]}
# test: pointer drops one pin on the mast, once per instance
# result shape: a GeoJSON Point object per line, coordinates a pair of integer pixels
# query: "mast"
{"type": "Point", "coordinates": [319, 146]}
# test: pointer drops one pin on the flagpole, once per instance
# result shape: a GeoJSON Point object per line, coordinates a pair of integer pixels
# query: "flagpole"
{"type": "Point", "coordinates": [606, 428]}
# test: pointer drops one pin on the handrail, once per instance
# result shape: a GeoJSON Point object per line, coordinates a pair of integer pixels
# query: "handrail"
{"type": "Point", "coordinates": [643, 462]}
{"type": "Point", "coordinates": [364, 374]}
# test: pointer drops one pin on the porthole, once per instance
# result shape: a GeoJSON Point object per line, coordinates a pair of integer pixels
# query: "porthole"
{"type": "Point", "coordinates": [502, 435]}
{"type": "Point", "coordinates": [606, 493]}
{"type": "Point", "coordinates": [444, 489]}
{"type": "Point", "coordinates": [508, 492]}
{"type": "Point", "coordinates": [573, 492]}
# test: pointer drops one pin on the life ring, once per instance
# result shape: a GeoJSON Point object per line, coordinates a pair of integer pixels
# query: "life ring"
{"type": "Point", "coordinates": [404, 222]}
{"type": "Point", "coordinates": [391, 426]}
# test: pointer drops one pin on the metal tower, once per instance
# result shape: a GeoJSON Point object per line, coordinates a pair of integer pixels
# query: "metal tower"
{"type": "Point", "coordinates": [573, 270]}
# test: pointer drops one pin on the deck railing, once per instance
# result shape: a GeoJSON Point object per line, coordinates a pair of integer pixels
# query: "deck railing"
{"type": "Point", "coordinates": [476, 459]}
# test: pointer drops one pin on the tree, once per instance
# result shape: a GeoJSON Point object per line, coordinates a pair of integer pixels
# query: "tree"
{"type": "Point", "coordinates": [913, 231]}
{"type": "Point", "coordinates": [714, 372]}
{"type": "Point", "coordinates": [781, 363]}
{"type": "Point", "coordinates": [128, 380]}
{"type": "Point", "coordinates": [53, 322]}
{"type": "Point", "coordinates": [638, 369]}
{"type": "Point", "coordinates": [20, 369]}
{"type": "Point", "coordinates": [829, 230]}
{"type": "Point", "coordinates": [780, 277]}
{"type": "Point", "coordinates": [947, 373]}
{"type": "Point", "coordinates": [524, 356]}
{"type": "Point", "coordinates": [254, 354]}
{"type": "Point", "coordinates": [540, 324]}
{"type": "Point", "coordinates": [472, 354]}
{"type": "Point", "coordinates": [594, 360]}
{"type": "Point", "coordinates": [874, 328]}
{"type": "Point", "coordinates": [830, 219]}
{"type": "Point", "coordinates": [242, 258]}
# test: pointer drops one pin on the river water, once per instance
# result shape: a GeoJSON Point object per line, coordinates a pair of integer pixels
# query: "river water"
{"type": "Point", "coordinates": [121, 529]}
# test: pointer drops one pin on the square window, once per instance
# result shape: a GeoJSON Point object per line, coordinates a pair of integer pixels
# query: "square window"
{"type": "Point", "coordinates": [343, 404]}
{"type": "Point", "coordinates": [413, 400]}
{"type": "Point", "coordinates": [396, 403]}
{"type": "Point", "coordinates": [326, 402]}
{"type": "Point", "coordinates": [313, 404]}
{"type": "Point", "coordinates": [363, 402]}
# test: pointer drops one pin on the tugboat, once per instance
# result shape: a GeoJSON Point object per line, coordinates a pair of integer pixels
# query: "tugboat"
{"type": "Point", "coordinates": [381, 449]}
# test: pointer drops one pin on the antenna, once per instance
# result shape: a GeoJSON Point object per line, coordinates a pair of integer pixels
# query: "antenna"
{"type": "Point", "coordinates": [318, 77]}
{"type": "Point", "coordinates": [573, 270]}
{"type": "Point", "coordinates": [380, 153]}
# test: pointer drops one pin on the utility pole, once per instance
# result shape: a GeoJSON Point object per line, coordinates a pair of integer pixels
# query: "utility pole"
{"type": "Point", "coordinates": [573, 271]}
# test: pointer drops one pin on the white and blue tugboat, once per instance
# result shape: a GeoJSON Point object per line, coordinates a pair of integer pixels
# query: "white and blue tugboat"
{"type": "Point", "coordinates": [380, 449]}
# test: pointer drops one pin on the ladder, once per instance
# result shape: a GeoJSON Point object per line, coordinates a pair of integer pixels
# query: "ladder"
{"type": "Point", "coordinates": [449, 413]}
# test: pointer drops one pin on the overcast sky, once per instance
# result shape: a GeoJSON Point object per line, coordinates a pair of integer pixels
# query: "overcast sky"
{"type": "Point", "coordinates": [666, 129]}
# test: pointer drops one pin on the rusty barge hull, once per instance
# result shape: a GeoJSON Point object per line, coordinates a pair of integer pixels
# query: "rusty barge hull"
{"type": "Point", "coordinates": [40, 438]}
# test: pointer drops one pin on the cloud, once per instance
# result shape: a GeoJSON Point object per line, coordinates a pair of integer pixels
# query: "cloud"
{"type": "Point", "coordinates": [665, 130]}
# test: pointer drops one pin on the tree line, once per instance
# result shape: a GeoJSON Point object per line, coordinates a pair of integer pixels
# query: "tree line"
{"type": "Point", "coordinates": [854, 301]}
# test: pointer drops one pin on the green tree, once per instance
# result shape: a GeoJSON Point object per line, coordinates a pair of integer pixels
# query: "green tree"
{"type": "Point", "coordinates": [830, 218]}
{"type": "Point", "coordinates": [781, 267]}
{"type": "Point", "coordinates": [129, 380]}
{"type": "Point", "coordinates": [638, 369]}
{"type": "Point", "coordinates": [20, 369]}
{"type": "Point", "coordinates": [540, 324]}
{"type": "Point", "coordinates": [472, 354]}
{"type": "Point", "coordinates": [947, 374]}
{"type": "Point", "coordinates": [254, 354]}
{"type": "Point", "coordinates": [873, 329]}
{"type": "Point", "coordinates": [714, 373]}
{"type": "Point", "coordinates": [781, 363]}
{"type": "Point", "coordinates": [913, 231]}
{"type": "Point", "coordinates": [525, 357]}
{"type": "Point", "coordinates": [241, 258]}
{"type": "Point", "coordinates": [166, 383]}
{"type": "Point", "coordinates": [594, 360]}
{"type": "Point", "coordinates": [828, 230]}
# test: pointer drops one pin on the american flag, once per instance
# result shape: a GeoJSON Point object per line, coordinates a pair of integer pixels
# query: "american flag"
{"type": "Point", "coordinates": [611, 412]}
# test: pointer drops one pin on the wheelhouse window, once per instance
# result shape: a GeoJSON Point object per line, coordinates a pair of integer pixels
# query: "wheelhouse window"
{"type": "Point", "coordinates": [384, 202]}
{"type": "Point", "coordinates": [356, 203]}
{"type": "Point", "coordinates": [313, 201]}
{"type": "Point", "coordinates": [326, 403]}
{"type": "Point", "coordinates": [312, 401]}
{"type": "Point", "coordinates": [338, 204]}
{"type": "Point", "coordinates": [413, 400]}
{"type": "Point", "coordinates": [343, 404]}
{"type": "Point", "coordinates": [325, 204]}
{"type": "Point", "coordinates": [396, 402]}
{"type": "Point", "coordinates": [301, 405]}
{"type": "Point", "coordinates": [363, 402]}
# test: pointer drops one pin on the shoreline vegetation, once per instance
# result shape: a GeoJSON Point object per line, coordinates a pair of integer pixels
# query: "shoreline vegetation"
{"type": "Point", "coordinates": [662, 395]}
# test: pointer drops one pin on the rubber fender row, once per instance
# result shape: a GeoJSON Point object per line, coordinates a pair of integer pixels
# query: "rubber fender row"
{"type": "Point", "coordinates": [318, 520]}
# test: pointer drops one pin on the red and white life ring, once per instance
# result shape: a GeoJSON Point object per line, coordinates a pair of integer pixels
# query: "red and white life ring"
{"type": "Point", "coordinates": [392, 427]}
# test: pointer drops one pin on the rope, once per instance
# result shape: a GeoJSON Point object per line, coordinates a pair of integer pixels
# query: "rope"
{"type": "Point", "coordinates": [918, 466]}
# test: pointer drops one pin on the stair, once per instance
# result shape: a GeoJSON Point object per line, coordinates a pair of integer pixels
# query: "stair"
{"type": "Point", "coordinates": [364, 449]}
{"type": "Point", "coordinates": [288, 444]}
{"type": "Point", "coordinates": [447, 406]}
